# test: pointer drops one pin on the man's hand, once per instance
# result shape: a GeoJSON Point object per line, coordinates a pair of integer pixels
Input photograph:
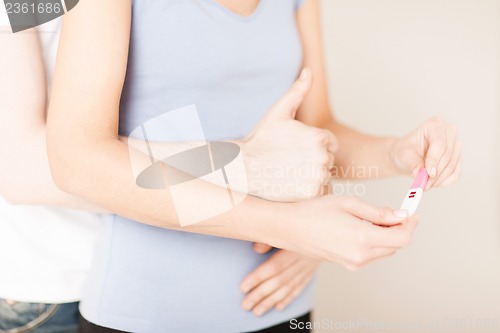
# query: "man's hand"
{"type": "Point", "coordinates": [285, 159]}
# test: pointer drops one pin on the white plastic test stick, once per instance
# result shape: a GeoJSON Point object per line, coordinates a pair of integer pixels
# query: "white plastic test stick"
{"type": "Point", "coordinates": [414, 195]}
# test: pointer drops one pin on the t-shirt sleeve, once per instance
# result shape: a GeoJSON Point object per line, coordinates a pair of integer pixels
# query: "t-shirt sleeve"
{"type": "Point", "coordinates": [298, 3]}
{"type": "Point", "coordinates": [4, 19]}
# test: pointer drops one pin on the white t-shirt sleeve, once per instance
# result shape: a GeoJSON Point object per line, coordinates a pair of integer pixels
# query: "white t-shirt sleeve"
{"type": "Point", "coordinates": [4, 19]}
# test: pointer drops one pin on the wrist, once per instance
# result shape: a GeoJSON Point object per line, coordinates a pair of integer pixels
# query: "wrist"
{"type": "Point", "coordinates": [297, 228]}
{"type": "Point", "coordinates": [278, 227]}
{"type": "Point", "coordinates": [392, 165]}
{"type": "Point", "coordinates": [252, 169]}
{"type": "Point", "coordinates": [395, 164]}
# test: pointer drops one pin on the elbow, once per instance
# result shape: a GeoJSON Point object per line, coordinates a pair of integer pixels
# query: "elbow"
{"type": "Point", "coordinates": [62, 163]}
{"type": "Point", "coordinates": [60, 177]}
{"type": "Point", "coordinates": [71, 161]}
{"type": "Point", "coordinates": [61, 170]}
{"type": "Point", "coordinates": [61, 152]}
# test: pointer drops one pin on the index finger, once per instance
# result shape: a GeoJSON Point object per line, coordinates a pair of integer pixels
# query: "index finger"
{"type": "Point", "coordinates": [392, 237]}
{"type": "Point", "coordinates": [436, 150]}
{"type": "Point", "coordinates": [277, 263]}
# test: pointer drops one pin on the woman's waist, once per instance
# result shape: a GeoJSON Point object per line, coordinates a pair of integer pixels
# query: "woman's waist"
{"type": "Point", "coordinates": [170, 278]}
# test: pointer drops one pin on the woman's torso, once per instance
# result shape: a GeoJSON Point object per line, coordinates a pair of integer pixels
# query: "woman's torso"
{"type": "Point", "coordinates": [232, 69]}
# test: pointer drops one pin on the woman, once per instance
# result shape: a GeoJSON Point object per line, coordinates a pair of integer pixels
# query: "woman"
{"type": "Point", "coordinates": [233, 60]}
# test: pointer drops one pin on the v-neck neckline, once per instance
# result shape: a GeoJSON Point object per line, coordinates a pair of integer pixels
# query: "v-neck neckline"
{"type": "Point", "coordinates": [237, 16]}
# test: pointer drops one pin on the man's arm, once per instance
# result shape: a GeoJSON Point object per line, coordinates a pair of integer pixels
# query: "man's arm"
{"type": "Point", "coordinates": [88, 159]}
{"type": "Point", "coordinates": [25, 176]}
{"type": "Point", "coordinates": [364, 149]}
{"type": "Point", "coordinates": [433, 145]}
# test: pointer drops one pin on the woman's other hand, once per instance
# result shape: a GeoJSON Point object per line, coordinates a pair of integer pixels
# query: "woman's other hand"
{"type": "Point", "coordinates": [435, 146]}
{"type": "Point", "coordinates": [277, 281]}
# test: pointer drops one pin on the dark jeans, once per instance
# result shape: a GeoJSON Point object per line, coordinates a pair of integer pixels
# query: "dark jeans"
{"type": "Point", "coordinates": [20, 317]}
{"type": "Point", "coordinates": [88, 327]}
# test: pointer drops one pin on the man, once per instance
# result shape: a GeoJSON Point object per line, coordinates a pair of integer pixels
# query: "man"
{"type": "Point", "coordinates": [45, 251]}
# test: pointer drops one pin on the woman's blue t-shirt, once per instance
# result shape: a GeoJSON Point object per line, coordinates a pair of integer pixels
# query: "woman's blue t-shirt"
{"type": "Point", "coordinates": [233, 68]}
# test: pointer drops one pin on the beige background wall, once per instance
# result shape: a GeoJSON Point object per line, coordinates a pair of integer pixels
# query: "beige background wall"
{"type": "Point", "coordinates": [392, 64]}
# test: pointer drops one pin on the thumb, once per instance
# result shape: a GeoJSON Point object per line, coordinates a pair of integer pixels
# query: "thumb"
{"type": "Point", "coordinates": [378, 216]}
{"type": "Point", "coordinates": [288, 105]}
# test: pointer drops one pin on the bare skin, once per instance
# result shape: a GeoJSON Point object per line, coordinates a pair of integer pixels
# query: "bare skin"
{"type": "Point", "coordinates": [342, 230]}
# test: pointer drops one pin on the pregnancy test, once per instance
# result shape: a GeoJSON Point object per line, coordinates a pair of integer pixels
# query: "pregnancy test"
{"type": "Point", "coordinates": [415, 193]}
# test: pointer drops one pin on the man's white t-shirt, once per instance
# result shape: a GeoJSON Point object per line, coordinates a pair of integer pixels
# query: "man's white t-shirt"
{"type": "Point", "coordinates": [4, 19]}
{"type": "Point", "coordinates": [45, 253]}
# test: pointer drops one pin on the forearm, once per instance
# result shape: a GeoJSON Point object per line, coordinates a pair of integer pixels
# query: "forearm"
{"type": "Point", "coordinates": [89, 161]}
{"type": "Point", "coordinates": [361, 156]}
{"type": "Point", "coordinates": [102, 173]}
{"type": "Point", "coordinates": [25, 176]}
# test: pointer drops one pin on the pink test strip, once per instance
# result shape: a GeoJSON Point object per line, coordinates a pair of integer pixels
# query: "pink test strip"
{"type": "Point", "coordinates": [421, 179]}
{"type": "Point", "coordinates": [414, 195]}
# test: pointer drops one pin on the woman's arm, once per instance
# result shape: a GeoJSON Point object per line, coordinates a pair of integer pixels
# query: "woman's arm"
{"type": "Point", "coordinates": [25, 176]}
{"type": "Point", "coordinates": [88, 160]}
{"type": "Point", "coordinates": [433, 145]}
{"type": "Point", "coordinates": [353, 146]}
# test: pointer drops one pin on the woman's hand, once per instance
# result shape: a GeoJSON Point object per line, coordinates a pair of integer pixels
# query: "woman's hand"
{"type": "Point", "coordinates": [278, 281]}
{"type": "Point", "coordinates": [435, 146]}
{"type": "Point", "coordinates": [285, 159]}
{"type": "Point", "coordinates": [344, 230]}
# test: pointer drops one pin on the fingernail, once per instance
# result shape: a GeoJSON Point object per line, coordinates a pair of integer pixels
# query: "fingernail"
{"type": "Point", "coordinates": [401, 213]}
{"type": "Point", "coordinates": [259, 311]}
{"type": "Point", "coordinates": [247, 306]}
{"type": "Point", "coordinates": [246, 287]}
{"type": "Point", "coordinates": [303, 75]}
{"type": "Point", "coordinates": [433, 172]}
